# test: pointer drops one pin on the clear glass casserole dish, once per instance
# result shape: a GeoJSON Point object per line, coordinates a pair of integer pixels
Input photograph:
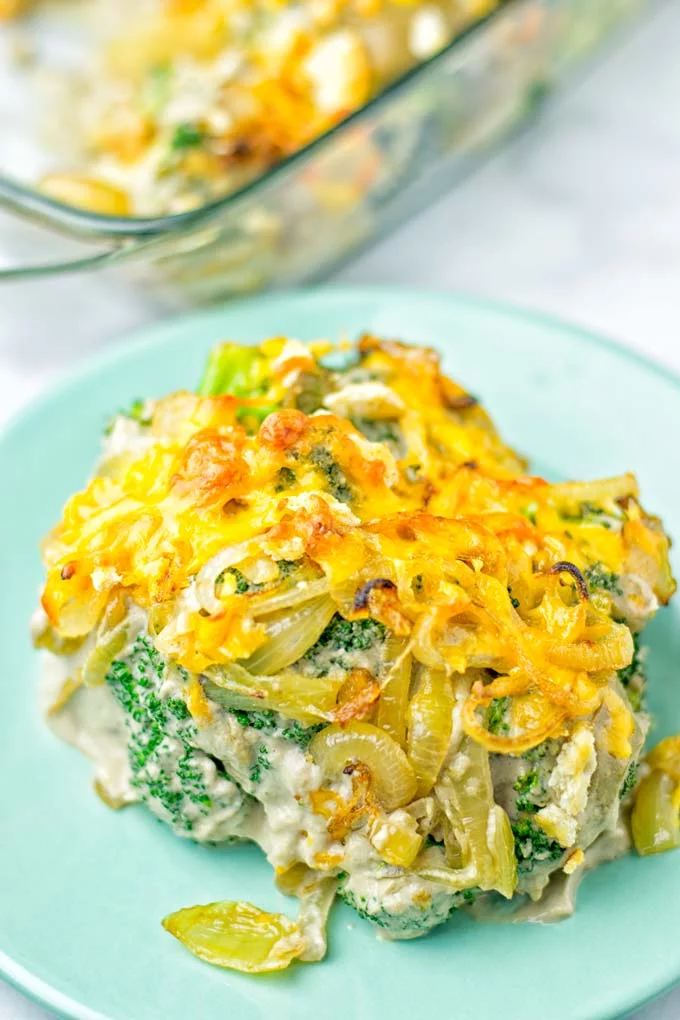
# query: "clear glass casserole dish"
{"type": "Point", "coordinates": [350, 185]}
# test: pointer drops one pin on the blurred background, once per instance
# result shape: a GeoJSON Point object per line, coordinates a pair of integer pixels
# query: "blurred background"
{"type": "Point", "coordinates": [536, 161]}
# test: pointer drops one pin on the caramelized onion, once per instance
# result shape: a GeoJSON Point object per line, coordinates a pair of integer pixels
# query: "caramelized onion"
{"type": "Point", "coordinates": [239, 936]}
{"type": "Point", "coordinates": [362, 595]}
{"type": "Point", "coordinates": [392, 778]}
{"type": "Point", "coordinates": [430, 724]}
{"type": "Point", "coordinates": [565, 567]}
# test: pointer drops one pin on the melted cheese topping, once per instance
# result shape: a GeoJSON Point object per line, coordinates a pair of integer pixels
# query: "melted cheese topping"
{"type": "Point", "coordinates": [447, 541]}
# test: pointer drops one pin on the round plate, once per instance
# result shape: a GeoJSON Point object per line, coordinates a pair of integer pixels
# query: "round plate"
{"type": "Point", "coordinates": [83, 889]}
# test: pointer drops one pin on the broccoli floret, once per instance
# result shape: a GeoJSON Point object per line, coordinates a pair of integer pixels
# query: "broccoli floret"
{"type": "Point", "coordinates": [308, 391]}
{"type": "Point", "coordinates": [531, 786]}
{"type": "Point", "coordinates": [351, 635]}
{"type": "Point", "coordinates": [298, 734]}
{"type": "Point", "coordinates": [538, 754]}
{"type": "Point", "coordinates": [336, 480]}
{"type": "Point", "coordinates": [265, 720]}
{"type": "Point", "coordinates": [495, 716]}
{"type": "Point", "coordinates": [246, 587]}
{"type": "Point", "coordinates": [533, 846]}
{"type": "Point", "coordinates": [530, 790]}
{"type": "Point", "coordinates": [285, 479]}
{"type": "Point", "coordinates": [635, 666]}
{"type": "Point", "coordinates": [261, 764]}
{"type": "Point", "coordinates": [186, 136]}
{"type": "Point", "coordinates": [588, 509]}
{"type": "Point", "coordinates": [239, 371]}
{"type": "Point", "coordinates": [270, 722]}
{"type": "Point", "coordinates": [411, 922]}
{"type": "Point", "coordinates": [168, 771]}
{"type": "Point", "coordinates": [589, 513]}
{"type": "Point", "coordinates": [340, 642]}
{"type": "Point", "coordinates": [378, 431]}
{"type": "Point", "coordinates": [242, 372]}
{"type": "Point", "coordinates": [598, 578]}
{"type": "Point", "coordinates": [631, 779]}
{"type": "Point", "coordinates": [382, 432]}
{"type": "Point", "coordinates": [243, 585]}
{"type": "Point", "coordinates": [633, 676]}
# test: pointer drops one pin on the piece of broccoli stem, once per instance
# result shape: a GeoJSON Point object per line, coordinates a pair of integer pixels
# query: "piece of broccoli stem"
{"type": "Point", "coordinates": [232, 369]}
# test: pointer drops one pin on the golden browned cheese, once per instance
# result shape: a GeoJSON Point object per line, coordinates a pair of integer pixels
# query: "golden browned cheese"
{"type": "Point", "coordinates": [468, 560]}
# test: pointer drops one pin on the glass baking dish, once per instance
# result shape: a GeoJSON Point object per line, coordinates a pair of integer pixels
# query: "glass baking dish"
{"type": "Point", "coordinates": [349, 186]}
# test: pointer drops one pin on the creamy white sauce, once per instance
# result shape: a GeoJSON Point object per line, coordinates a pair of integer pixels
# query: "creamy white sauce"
{"type": "Point", "coordinates": [92, 721]}
{"type": "Point", "coordinates": [282, 822]}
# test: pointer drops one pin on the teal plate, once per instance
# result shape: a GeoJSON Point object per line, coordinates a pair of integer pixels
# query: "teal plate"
{"type": "Point", "coordinates": [83, 889]}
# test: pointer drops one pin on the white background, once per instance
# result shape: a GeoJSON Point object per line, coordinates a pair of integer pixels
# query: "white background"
{"type": "Point", "coordinates": [581, 217]}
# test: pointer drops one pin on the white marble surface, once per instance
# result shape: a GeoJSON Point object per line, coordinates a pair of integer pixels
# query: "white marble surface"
{"type": "Point", "coordinates": [581, 218]}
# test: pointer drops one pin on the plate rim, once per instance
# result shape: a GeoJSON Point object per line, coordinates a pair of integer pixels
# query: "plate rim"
{"type": "Point", "coordinates": [155, 333]}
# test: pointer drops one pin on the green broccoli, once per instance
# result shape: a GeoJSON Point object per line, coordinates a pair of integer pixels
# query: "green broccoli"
{"type": "Point", "coordinates": [411, 922]}
{"type": "Point", "coordinates": [630, 780]}
{"type": "Point", "coordinates": [308, 391]}
{"type": "Point", "coordinates": [340, 642]}
{"type": "Point", "coordinates": [246, 587]}
{"type": "Point", "coordinates": [531, 785]}
{"type": "Point", "coordinates": [530, 790]}
{"type": "Point", "coordinates": [532, 845]}
{"type": "Point", "coordinates": [175, 778]}
{"type": "Point", "coordinates": [495, 716]}
{"type": "Point", "coordinates": [243, 585]}
{"type": "Point", "coordinates": [266, 721]}
{"type": "Point", "coordinates": [298, 734]}
{"type": "Point", "coordinates": [598, 578]}
{"type": "Point", "coordinates": [633, 676]}
{"type": "Point", "coordinates": [260, 765]}
{"type": "Point", "coordinates": [336, 480]}
{"type": "Point", "coordinates": [278, 726]}
{"type": "Point", "coordinates": [382, 432]}
{"type": "Point", "coordinates": [352, 635]}
{"type": "Point", "coordinates": [187, 136]}
{"type": "Point", "coordinates": [285, 479]}
{"type": "Point", "coordinates": [589, 513]}
{"type": "Point", "coordinates": [242, 372]}
{"type": "Point", "coordinates": [236, 370]}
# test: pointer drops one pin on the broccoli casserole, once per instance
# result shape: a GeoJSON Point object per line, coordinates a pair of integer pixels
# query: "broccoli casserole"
{"type": "Point", "coordinates": [319, 605]}
{"type": "Point", "coordinates": [179, 102]}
